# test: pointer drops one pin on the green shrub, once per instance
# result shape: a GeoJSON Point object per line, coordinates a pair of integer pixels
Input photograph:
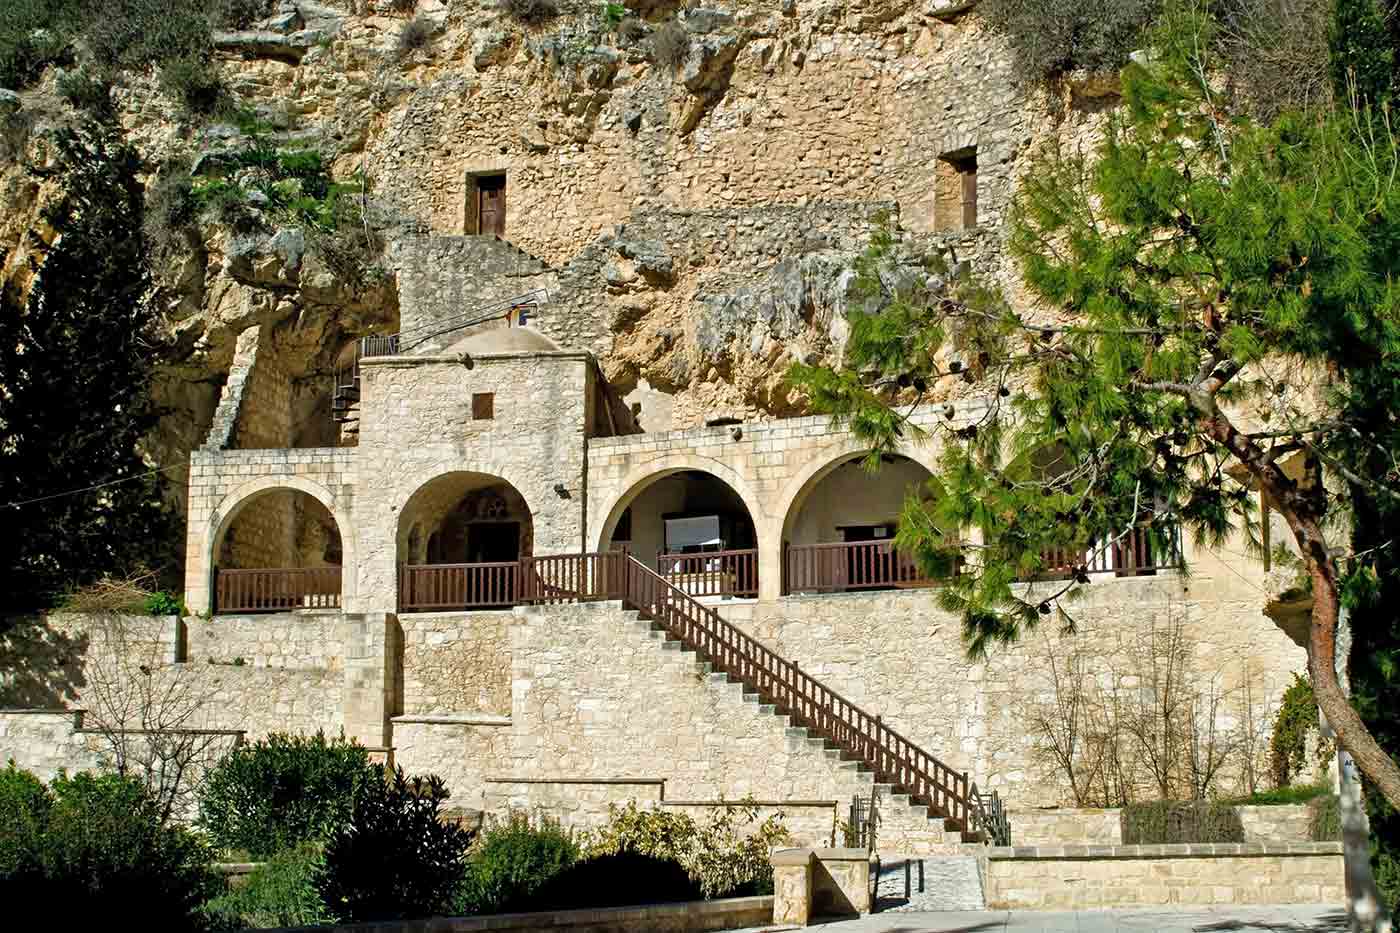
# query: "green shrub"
{"type": "Point", "coordinates": [34, 33]}
{"type": "Point", "coordinates": [283, 790]}
{"type": "Point", "coordinates": [1297, 716]}
{"type": "Point", "coordinates": [93, 847]}
{"type": "Point", "coordinates": [240, 14]}
{"type": "Point", "coordinates": [620, 880]}
{"type": "Point", "coordinates": [396, 858]}
{"type": "Point", "coordinates": [670, 44]}
{"type": "Point", "coordinates": [1298, 793]}
{"type": "Point", "coordinates": [86, 92]}
{"type": "Point", "coordinates": [194, 83]}
{"type": "Point", "coordinates": [1168, 822]}
{"type": "Point", "coordinates": [414, 35]}
{"type": "Point", "coordinates": [165, 603]}
{"type": "Point", "coordinates": [279, 893]}
{"type": "Point", "coordinates": [511, 861]}
{"type": "Point", "coordinates": [1050, 37]}
{"type": "Point", "coordinates": [1325, 819]}
{"type": "Point", "coordinates": [530, 12]}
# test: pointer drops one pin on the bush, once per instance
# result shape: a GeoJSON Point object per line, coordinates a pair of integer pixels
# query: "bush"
{"type": "Point", "coordinates": [1050, 37]}
{"type": "Point", "coordinates": [1298, 793]}
{"type": "Point", "coordinates": [34, 33]}
{"type": "Point", "coordinates": [240, 14]}
{"type": "Point", "coordinates": [670, 44]}
{"type": "Point", "coordinates": [1325, 819]}
{"type": "Point", "coordinates": [1297, 716]}
{"type": "Point", "coordinates": [85, 92]}
{"type": "Point", "coordinates": [90, 848]}
{"type": "Point", "coordinates": [513, 860]}
{"type": "Point", "coordinates": [614, 881]}
{"type": "Point", "coordinates": [283, 790]}
{"type": "Point", "coordinates": [279, 893]}
{"type": "Point", "coordinates": [530, 12]}
{"type": "Point", "coordinates": [414, 35]}
{"type": "Point", "coordinates": [165, 603]}
{"type": "Point", "coordinates": [1168, 822]}
{"type": "Point", "coordinates": [396, 858]}
{"type": "Point", "coordinates": [194, 83]}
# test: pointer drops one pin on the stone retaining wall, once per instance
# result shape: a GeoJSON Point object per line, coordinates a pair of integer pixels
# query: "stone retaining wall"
{"type": "Point", "coordinates": [1068, 826]}
{"type": "Point", "coordinates": [1078, 877]}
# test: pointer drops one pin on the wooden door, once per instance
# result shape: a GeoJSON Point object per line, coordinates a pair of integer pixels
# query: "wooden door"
{"type": "Point", "coordinates": [491, 204]}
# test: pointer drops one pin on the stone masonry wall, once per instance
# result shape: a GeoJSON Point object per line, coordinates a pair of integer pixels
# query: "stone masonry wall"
{"type": "Point", "coordinates": [456, 662]}
{"type": "Point", "coordinates": [417, 425]}
{"type": "Point", "coordinates": [1070, 826]}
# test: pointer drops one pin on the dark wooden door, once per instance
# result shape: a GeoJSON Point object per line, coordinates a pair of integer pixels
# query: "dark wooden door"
{"type": "Point", "coordinates": [491, 204]}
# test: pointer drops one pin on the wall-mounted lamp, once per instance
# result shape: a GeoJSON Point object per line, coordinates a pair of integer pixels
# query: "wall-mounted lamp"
{"type": "Point", "coordinates": [737, 432]}
{"type": "Point", "coordinates": [561, 490]}
{"type": "Point", "coordinates": [466, 360]}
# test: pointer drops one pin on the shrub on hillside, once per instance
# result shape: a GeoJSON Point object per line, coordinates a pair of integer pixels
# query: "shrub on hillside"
{"type": "Point", "coordinates": [670, 44]}
{"type": "Point", "coordinates": [1169, 822]}
{"type": "Point", "coordinates": [84, 91]}
{"type": "Point", "coordinates": [414, 35]}
{"type": "Point", "coordinates": [279, 893]}
{"type": "Point", "coordinates": [283, 790]}
{"type": "Point", "coordinates": [194, 84]}
{"type": "Point", "coordinates": [92, 847]}
{"type": "Point", "coordinates": [1051, 37]}
{"type": "Point", "coordinates": [513, 860]}
{"type": "Point", "coordinates": [396, 858]}
{"type": "Point", "coordinates": [529, 12]}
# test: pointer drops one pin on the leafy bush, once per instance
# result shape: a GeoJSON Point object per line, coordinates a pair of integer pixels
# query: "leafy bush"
{"type": "Point", "coordinates": [530, 12]}
{"type": "Point", "coordinates": [34, 33]}
{"type": "Point", "coordinates": [279, 893]}
{"type": "Point", "coordinates": [165, 603]}
{"type": "Point", "coordinates": [414, 35]}
{"type": "Point", "coordinates": [511, 861]}
{"type": "Point", "coordinates": [1168, 822]}
{"type": "Point", "coordinates": [396, 858]}
{"type": "Point", "coordinates": [1050, 37]}
{"type": "Point", "coordinates": [240, 14]}
{"type": "Point", "coordinates": [670, 44]}
{"type": "Point", "coordinates": [85, 92]}
{"type": "Point", "coordinates": [619, 880]}
{"type": "Point", "coordinates": [1297, 716]}
{"type": "Point", "coordinates": [194, 83]}
{"type": "Point", "coordinates": [1325, 819]}
{"type": "Point", "coordinates": [283, 790]}
{"type": "Point", "coordinates": [727, 855]}
{"type": "Point", "coordinates": [90, 848]}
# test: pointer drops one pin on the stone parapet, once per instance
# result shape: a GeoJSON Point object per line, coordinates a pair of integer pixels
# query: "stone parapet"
{"type": "Point", "coordinates": [1076, 877]}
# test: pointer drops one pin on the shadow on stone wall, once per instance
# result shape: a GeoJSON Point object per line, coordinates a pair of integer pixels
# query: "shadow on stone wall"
{"type": "Point", "coordinates": [41, 667]}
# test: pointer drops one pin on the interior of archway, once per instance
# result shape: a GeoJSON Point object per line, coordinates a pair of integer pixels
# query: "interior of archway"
{"type": "Point", "coordinates": [687, 512]}
{"type": "Point", "coordinates": [465, 518]}
{"type": "Point", "coordinates": [849, 503]}
{"type": "Point", "coordinates": [281, 528]}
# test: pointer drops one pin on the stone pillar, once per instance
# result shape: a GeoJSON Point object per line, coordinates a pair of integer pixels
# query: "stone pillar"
{"type": "Point", "coordinates": [372, 693]}
{"type": "Point", "coordinates": [792, 886]}
{"type": "Point", "coordinates": [770, 559]}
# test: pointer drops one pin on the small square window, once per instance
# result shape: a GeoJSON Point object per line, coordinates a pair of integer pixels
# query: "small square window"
{"type": "Point", "coordinates": [483, 406]}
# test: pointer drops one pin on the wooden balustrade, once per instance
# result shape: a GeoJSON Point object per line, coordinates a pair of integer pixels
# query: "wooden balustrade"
{"type": "Point", "coordinates": [428, 587]}
{"type": "Point", "coordinates": [850, 565]}
{"type": "Point", "coordinates": [1138, 553]}
{"type": "Point", "coordinates": [713, 573]}
{"type": "Point", "coordinates": [276, 590]}
{"type": "Point", "coordinates": [560, 578]}
{"type": "Point", "coordinates": [809, 703]}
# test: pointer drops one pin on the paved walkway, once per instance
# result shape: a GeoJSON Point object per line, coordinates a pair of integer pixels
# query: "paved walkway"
{"type": "Point", "coordinates": [1289, 919]}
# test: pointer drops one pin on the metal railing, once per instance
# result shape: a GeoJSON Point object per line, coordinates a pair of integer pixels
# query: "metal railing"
{"type": "Point", "coordinates": [406, 340]}
{"type": "Point", "coordinates": [715, 573]}
{"type": "Point", "coordinates": [276, 589]}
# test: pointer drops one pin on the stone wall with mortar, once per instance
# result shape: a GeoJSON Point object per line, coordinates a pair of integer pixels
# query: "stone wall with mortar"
{"type": "Point", "coordinates": [465, 750]}
{"type": "Point", "coordinates": [456, 662]}
{"type": "Point", "coordinates": [1070, 826]}
{"type": "Point", "coordinates": [1087, 877]}
{"type": "Point", "coordinates": [417, 425]}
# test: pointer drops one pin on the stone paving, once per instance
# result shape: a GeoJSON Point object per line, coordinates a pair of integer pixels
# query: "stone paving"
{"type": "Point", "coordinates": [1222, 919]}
{"type": "Point", "coordinates": [930, 883]}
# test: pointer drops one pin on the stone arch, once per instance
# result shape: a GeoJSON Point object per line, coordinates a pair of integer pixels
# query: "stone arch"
{"type": "Point", "coordinates": [434, 511]}
{"type": "Point", "coordinates": [233, 504]}
{"type": "Point", "coordinates": [653, 471]}
{"type": "Point", "coordinates": [811, 474]}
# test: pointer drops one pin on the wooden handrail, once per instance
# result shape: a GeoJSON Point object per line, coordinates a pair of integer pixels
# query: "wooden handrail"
{"type": "Point", "coordinates": [276, 589]}
{"type": "Point", "coordinates": [893, 758]}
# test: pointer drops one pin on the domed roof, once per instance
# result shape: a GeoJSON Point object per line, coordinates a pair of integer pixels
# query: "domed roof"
{"type": "Point", "coordinates": [504, 340]}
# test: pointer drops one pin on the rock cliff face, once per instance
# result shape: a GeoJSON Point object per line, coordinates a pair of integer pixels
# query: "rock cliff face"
{"type": "Point", "coordinates": [690, 186]}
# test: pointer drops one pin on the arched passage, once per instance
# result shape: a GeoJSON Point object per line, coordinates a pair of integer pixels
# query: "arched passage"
{"type": "Point", "coordinates": [277, 545]}
{"type": "Point", "coordinates": [840, 524]}
{"type": "Point", "coordinates": [693, 528]}
{"type": "Point", "coordinates": [459, 541]}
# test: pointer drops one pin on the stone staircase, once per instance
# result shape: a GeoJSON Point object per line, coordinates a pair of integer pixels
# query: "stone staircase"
{"type": "Point", "coordinates": [905, 826]}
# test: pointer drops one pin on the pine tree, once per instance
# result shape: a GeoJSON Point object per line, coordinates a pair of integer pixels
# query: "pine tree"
{"type": "Point", "coordinates": [76, 361]}
{"type": "Point", "coordinates": [1233, 296]}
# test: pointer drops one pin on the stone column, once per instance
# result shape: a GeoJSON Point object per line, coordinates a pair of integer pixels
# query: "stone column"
{"type": "Point", "coordinates": [770, 559]}
{"type": "Point", "coordinates": [372, 643]}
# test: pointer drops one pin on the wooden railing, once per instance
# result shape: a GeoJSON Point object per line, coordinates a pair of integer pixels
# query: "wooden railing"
{"type": "Point", "coordinates": [276, 590]}
{"type": "Point", "coordinates": [849, 565]}
{"type": "Point", "coordinates": [717, 573]}
{"type": "Point", "coordinates": [565, 578]}
{"type": "Point", "coordinates": [894, 759]}
{"type": "Point", "coordinates": [1135, 554]}
{"type": "Point", "coordinates": [428, 587]}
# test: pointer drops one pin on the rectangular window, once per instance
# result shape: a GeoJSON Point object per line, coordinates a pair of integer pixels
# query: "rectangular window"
{"type": "Point", "coordinates": [483, 406]}
{"type": "Point", "coordinates": [955, 191]}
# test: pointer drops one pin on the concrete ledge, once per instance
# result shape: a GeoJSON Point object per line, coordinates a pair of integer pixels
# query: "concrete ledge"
{"type": "Point", "coordinates": [1198, 850]}
{"type": "Point", "coordinates": [689, 917]}
{"type": "Point", "coordinates": [576, 780]}
{"type": "Point", "coordinates": [454, 719]}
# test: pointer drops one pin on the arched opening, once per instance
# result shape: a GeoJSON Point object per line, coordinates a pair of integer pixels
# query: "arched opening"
{"type": "Point", "coordinates": [693, 528]}
{"type": "Point", "coordinates": [460, 540]}
{"type": "Point", "coordinates": [279, 549]}
{"type": "Point", "coordinates": [839, 531]}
